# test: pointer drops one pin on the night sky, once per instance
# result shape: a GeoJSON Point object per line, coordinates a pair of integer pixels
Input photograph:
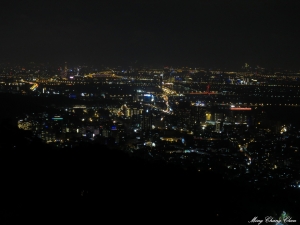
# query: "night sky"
{"type": "Point", "coordinates": [206, 33]}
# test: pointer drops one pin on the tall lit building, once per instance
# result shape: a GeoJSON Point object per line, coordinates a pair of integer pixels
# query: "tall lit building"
{"type": "Point", "coordinates": [65, 72]}
{"type": "Point", "coordinates": [147, 120]}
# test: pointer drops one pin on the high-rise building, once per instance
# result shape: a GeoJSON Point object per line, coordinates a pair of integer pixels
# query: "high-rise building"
{"type": "Point", "coordinates": [65, 72]}
{"type": "Point", "coordinates": [161, 80]}
{"type": "Point", "coordinates": [147, 120]}
{"type": "Point", "coordinates": [218, 126]}
{"type": "Point", "coordinates": [197, 116]}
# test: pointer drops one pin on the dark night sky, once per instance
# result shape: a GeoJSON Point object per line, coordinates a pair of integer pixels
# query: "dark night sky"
{"type": "Point", "coordinates": [208, 33]}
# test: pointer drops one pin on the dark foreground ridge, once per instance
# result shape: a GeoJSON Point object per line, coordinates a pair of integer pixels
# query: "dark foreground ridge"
{"type": "Point", "coordinates": [93, 184]}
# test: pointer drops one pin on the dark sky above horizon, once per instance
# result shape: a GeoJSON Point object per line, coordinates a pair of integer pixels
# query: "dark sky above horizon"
{"type": "Point", "coordinates": [208, 33]}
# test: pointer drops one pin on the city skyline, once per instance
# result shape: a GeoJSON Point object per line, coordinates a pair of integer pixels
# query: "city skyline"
{"type": "Point", "coordinates": [210, 34]}
{"type": "Point", "coordinates": [233, 135]}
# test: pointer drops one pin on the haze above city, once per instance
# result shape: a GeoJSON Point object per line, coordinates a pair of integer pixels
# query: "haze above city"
{"type": "Point", "coordinates": [216, 34]}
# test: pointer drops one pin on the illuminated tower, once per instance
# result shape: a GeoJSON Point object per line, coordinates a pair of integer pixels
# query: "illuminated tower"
{"type": "Point", "coordinates": [147, 121]}
{"type": "Point", "coordinates": [65, 72]}
{"type": "Point", "coordinates": [197, 116]}
{"type": "Point", "coordinates": [161, 80]}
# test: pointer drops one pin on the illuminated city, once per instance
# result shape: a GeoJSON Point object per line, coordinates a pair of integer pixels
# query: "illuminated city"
{"type": "Point", "coordinates": [160, 115]}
